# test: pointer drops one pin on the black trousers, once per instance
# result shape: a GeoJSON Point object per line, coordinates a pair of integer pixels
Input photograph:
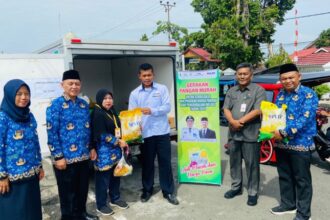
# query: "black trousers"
{"type": "Point", "coordinates": [160, 146]}
{"type": "Point", "coordinates": [295, 180]}
{"type": "Point", "coordinates": [73, 189]}
{"type": "Point", "coordinates": [22, 202]}
{"type": "Point", "coordinates": [106, 182]}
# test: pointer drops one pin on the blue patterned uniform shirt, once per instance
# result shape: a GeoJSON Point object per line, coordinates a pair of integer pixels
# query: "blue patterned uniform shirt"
{"type": "Point", "coordinates": [157, 99]}
{"type": "Point", "coordinates": [68, 129]}
{"type": "Point", "coordinates": [108, 153]}
{"type": "Point", "coordinates": [300, 118]}
{"type": "Point", "coordinates": [20, 156]}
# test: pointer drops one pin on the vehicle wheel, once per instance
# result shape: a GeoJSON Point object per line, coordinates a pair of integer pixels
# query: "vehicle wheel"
{"type": "Point", "coordinates": [266, 151]}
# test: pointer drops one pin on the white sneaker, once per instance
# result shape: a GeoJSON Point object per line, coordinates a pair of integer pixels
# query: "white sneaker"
{"type": "Point", "coordinates": [327, 159]}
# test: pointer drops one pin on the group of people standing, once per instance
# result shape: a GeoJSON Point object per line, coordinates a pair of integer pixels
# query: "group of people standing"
{"type": "Point", "coordinates": [293, 158]}
{"type": "Point", "coordinates": [74, 138]}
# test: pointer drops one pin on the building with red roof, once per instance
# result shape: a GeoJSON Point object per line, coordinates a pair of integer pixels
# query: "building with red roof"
{"type": "Point", "coordinates": [312, 59]}
{"type": "Point", "coordinates": [199, 56]}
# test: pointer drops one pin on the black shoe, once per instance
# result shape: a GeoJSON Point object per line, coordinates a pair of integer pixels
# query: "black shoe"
{"type": "Point", "coordinates": [252, 200]}
{"type": "Point", "coordinates": [301, 218]}
{"type": "Point", "coordinates": [171, 199]}
{"type": "Point", "coordinates": [232, 193]}
{"type": "Point", "coordinates": [145, 196]}
{"type": "Point", "coordinates": [279, 210]}
{"type": "Point", "coordinates": [120, 204]}
{"type": "Point", "coordinates": [87, 216]}
{"type": "Point", "coordinates": [105, 210]}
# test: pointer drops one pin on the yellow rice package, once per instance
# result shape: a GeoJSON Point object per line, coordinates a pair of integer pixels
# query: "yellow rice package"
{"type": "Point", "coordinates": [131, 125]}
{"type": "Point", "coordinates": [273, 118]}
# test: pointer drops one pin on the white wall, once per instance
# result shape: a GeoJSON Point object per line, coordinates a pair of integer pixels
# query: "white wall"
{"type": "Point", "coordinates": [43, 74]}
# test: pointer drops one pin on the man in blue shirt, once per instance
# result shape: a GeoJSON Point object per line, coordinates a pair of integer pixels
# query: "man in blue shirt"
{"type": "Point", "coordinates": [294, 156]}
{"type": "Point", "coordinates": [153, 99]}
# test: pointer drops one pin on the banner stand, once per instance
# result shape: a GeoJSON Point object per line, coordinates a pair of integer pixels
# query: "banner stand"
{"type": "Point", "coordinates": [199, 159]}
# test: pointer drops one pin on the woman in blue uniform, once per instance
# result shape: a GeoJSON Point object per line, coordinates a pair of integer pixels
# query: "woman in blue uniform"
{"type": "Point", "coordinates": [107, 152]}
{"type": "Point", "coordinates": [20, 158]}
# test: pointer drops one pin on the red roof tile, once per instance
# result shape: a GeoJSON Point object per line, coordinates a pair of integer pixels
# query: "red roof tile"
{"type": "Point", "coordinates": [313, 56]}
{"type": "Point", "coordinates": [306, 52]}
{"type": "Point", "coordinates": [202, 53]}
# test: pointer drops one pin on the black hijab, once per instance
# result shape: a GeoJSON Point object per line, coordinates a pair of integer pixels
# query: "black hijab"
{"type": "Point", "coordinates": [101, 122]}
{"type": "Point", "coordinates": [8, 105]}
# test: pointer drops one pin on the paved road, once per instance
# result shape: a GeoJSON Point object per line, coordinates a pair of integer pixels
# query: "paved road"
{"type": "Point", "coordinates": [200, 201]}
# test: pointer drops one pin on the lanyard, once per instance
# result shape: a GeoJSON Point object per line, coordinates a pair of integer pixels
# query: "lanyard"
{"type": "Point", "coordinates": [113, 118]}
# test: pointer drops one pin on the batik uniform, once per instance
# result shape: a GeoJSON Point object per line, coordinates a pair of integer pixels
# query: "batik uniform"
{"type": "Point", "coordinates": [20, 156]}
{"type": "Point", "coordinates": [108, 153]}
{"type": "Point", "coordinates": [300, 118]}
{"type": "Point", "coordinates": [68, 128]}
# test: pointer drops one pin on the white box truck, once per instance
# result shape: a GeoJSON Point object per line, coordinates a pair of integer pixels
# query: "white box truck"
{"type": "Point", "coordinates": [102, 64]}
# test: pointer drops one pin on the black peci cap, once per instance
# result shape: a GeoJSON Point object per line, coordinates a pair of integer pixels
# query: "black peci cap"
{"type": "Point", "coordinates": [289, 67]}
{"type": "Point", "coordinates": [71, 74]}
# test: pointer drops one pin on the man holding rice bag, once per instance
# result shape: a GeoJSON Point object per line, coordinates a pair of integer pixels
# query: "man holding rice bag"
{"type": "Point", "coordinates": [242, 110]}
{"type": "Point", "coordinates": [273, 118]}
{"type": "Point", "coordinates": [294, 157]}
{"type": "Point", "coordinates": [154, 101]}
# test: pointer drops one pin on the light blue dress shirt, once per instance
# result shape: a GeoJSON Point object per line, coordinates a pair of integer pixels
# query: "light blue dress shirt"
{"type": "Point", "coordinates": [157, 99]}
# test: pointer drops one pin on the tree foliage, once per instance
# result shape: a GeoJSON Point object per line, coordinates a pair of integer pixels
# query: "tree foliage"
{"type": "Point", "coordinates": [324, 39]}
{"type": "Point", "coordinates": [278, 59]}
{"type": "Point", "coordinates": [321, 90]}
{"type": "Point", "coordinates": [176, 32]}
{"type": "Point", "coordinates": [197, 66]}
{"type": "Point", "coordinates": [233, 30]}
{"type": "Point", "coordinates": [144, 37]}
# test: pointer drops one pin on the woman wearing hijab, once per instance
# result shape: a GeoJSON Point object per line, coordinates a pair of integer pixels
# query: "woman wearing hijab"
{"type": "Point", "coordinates": [20, 158]}
{"type": "Point", "coordinates": [106, 153]}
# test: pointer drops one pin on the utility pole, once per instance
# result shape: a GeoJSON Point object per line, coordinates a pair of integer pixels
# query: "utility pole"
{"type": "Point", "coordinates": [168, 7]}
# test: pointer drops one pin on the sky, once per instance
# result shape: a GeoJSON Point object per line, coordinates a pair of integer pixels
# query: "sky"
{"type": "Point", "coordinates": [26, 26]}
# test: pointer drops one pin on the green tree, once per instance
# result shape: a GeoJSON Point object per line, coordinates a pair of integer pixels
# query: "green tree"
{"type": "Point", "coordinates": [321, 90]}
{"type": "Point", "coordinates": [278, 59]}
{"type": "Point", "coordinates": [233, 30]}
{"type": "Point", "coordinates": [324, 39]}
{"type": "Point", "coordinates": [176, 32]}
{"type": "Point", "coordinates": [197, 66]}
{"type": "Point", "coordinates": [144, 37]}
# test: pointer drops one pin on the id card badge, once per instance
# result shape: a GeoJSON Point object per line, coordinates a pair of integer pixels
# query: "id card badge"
{"type": "Point", "coordinates": [117, 132]}
{"type": "Point", "coordinates": [243, 107]}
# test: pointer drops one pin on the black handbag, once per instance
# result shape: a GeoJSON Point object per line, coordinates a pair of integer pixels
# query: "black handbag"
{"type": "Point", "coordinates": [322, 145]}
